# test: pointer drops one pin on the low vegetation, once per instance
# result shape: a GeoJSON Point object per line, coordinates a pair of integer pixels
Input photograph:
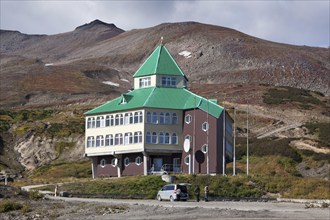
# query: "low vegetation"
{"type": "Point", "coordinates": [281, 95]}
{"type": "Point", "coordinates": [322, 130]}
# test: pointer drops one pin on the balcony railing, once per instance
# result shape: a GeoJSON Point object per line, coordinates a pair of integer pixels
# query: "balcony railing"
{"type": "Point", "coordinates": [165, 169]}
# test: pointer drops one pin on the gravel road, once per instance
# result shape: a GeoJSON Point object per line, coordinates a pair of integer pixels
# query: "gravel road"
{"type": "Point", "coordinates": [153, 209]}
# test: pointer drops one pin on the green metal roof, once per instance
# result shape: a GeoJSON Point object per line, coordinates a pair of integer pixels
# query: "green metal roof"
{"type": "Point", "coordinates": [163, 98]}
{"type": "Point", "coordinates": [160, 62]}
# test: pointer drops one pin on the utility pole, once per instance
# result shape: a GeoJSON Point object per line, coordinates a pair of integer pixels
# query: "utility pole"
{"type": "Point", "coordinates": [247, 140]}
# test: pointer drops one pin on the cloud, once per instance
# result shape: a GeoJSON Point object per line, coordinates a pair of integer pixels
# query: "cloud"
{"type": "Point", "coordinates": [294, 22]}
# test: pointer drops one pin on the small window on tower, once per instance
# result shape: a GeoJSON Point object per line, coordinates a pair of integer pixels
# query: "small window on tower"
{"type": "Point", "coordinates": [188, 119]}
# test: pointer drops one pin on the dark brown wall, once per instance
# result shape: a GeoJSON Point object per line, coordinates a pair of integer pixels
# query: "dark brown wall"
{"type": "Point", "coordinates": [201, 139]}
{"type": "Point", "coordinates": [132, 169]}
{"type": "Point", "coordinates": [110, 171]}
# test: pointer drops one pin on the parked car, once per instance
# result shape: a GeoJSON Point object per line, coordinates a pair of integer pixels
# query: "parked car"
{"type": "Point", "coordinates": [173, 192]}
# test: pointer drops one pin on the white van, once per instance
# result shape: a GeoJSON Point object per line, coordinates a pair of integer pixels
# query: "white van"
{"type": "Point", "coordinates": [173, 192]}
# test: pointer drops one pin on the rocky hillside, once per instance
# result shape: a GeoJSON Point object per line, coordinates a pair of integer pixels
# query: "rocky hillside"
{"type": "Point", "coordinates": [75, 65]}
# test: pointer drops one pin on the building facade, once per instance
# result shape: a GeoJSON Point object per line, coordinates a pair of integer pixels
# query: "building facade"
{"type": "Point", "coordinates": [158, 127]}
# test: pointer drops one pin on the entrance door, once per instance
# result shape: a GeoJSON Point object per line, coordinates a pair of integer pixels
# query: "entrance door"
{"type": "Point", "coordinates": [158, 163]}
{"type": "Point", "coordinates": [176, 165]}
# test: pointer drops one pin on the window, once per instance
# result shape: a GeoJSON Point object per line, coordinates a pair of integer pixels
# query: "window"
{"type": "Point", "coordinates": [89, 122]}
{"type": "Point", "coordinates": [138, 137]}
{"type": "Point", "coordinates": [109, 120]}
{"type": "Point", "coordinates": [154, 118]}
{"type": "Point", "coordinates": [138, 161]}
{"type": "Point", "coordinates": [99, 122]}
{"type": "Point", "coordinates": [187, 160]}
{"type": "Point", "coordinates": [109, 140]}
{"type": "Point", "coordinates": [148, 137]}
{"type": "Point", "coordinates": [205, 148]}
{"type": "Point", "coordinates": [167, 118]}
{"type": "Point", "coordinates": [161, 138]}
{"type": "Point", "coordinates": [103, 162]}
{"type": "Point", "coordinates": [205, 126]}
{"type": "Point", "coordinates": [167, 138]}
{"type": "Point", "coordinates": [138, 117]}
{"type": "Point", "coordinates": [114, 162]}
{"type": "Point", "coordinates": [99, 141]}
{"type": "Point", "coordinates": [174, 138]}
{"type": "Point", "coordinates": [188, 137]}
{"type": "Point", "coordinates": [174, 118]}
{"type": "Point", "coordinates": [118, 139]}
{"type": "Point", "coordinates": [128, 118]}
{"type": "Point", "coordinates": [188, 119]}
{"type": "Point", "coordinates": [173, 81]}
{"type": "Point", "coordinates": [168, 81]}
{"type": "Point", "coordinates": [119, 120]}
{"type": "Point", "coordinates": [161, 118]}
{"type": "Point", "coordinates": [154, 138]}
{"type": "Point", "coordinates": [145, 82]}
{"type": "Point", "coordinates": [128, 138]}
{"type": "Point", "coordinates": [90, 142]}
{"type": "Point", "coordinates": [126, 161]}
{"type": "Point", "coordinates": [148, 117]}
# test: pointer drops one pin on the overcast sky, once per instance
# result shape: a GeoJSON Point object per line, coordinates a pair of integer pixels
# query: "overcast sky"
{"type": "Point", "coordinates": [295, 22]}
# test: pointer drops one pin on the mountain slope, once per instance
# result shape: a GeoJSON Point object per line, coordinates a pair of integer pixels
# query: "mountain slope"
{"type": "Point", "coordinates": [98, 52]}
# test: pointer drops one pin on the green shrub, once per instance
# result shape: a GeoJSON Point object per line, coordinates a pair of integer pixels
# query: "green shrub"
{"type": "Point", "coordinates": [8, 205]}
{"type": "Point", "coordinates": [35, 195]}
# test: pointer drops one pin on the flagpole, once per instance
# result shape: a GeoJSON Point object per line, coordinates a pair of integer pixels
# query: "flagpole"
{"type": "Point", "coordinates": [247, 140]}
{"type": "Point", "coordinates": [207, 140]}
{"type": "Point", "coordinates": [234, 159]}
{"type": "Point", "coordinates": [224, 143]}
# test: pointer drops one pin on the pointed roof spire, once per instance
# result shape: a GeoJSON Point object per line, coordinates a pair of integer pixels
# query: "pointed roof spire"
{"type": "Point", "coordinates": [160, 62]}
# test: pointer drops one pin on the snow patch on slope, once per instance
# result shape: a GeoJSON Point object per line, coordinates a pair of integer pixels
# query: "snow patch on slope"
{"type": "Point", "coordinates": [186, 54]}
{"type": "Point", "coordinates": [111, 83]}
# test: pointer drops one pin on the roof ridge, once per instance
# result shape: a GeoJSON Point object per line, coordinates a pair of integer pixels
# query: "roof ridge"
{"type": "Point", "coordinates": [144, 104]}
{"type": "Point", "coordinates": [149, 57]}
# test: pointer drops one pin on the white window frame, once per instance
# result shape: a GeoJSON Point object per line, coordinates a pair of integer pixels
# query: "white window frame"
{"type": "Point", "coordinates": [167, 138]}
{"type": "Point", "coordinates": [138, 160]}
{"type": "Point", "coordinates": [174, 118]}
{"type": "Point", "coordinates": [154, 118]}
{"type": "Point", "coordinates": [118, 139]}
{"type": "Point", "coordinates": [161, 138]}
{"type": "Point", "coordinates": [161, 118]}
{"type": "Point", "coordinates": [128, 138]}
{"type": "Point", "coordinates": [174, 139]}
{"type": "Point", "coordinates": [188, 119]}
{"type": "Point", "coordinates": [205, 148]}
{"type": "Point", "coordinates": [90, 141]}
{"type": "Point", "coordinates": [154, 138]}
{"type": "Point", "coordinates": [126, 161]}
{"type": "Point", "coordinates": [205, 126]}
{"type": "Point", "coordinates": [148, 137]}
{"type": "Point", "coordinates": [149, 117]}
{"type": "Point", "coordinates": [137, 137]}
{"type": "Point", "coordinates": [113, 162]}
{"type": "Point", "coordinates": [188, 136]}
{"type": "Point", "coordinates": [167, 118]}
{"type": "Point", "coordinates": [103, 162]}
{"type": "Point", "coordinates": [186, 160]}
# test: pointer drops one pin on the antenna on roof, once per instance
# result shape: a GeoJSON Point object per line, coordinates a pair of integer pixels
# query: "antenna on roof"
{"type": "Point", "coordinates": [161, 40]}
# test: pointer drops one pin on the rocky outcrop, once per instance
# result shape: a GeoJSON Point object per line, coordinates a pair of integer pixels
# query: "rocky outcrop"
{"type": "Point", "coordinates": [36, 151]}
